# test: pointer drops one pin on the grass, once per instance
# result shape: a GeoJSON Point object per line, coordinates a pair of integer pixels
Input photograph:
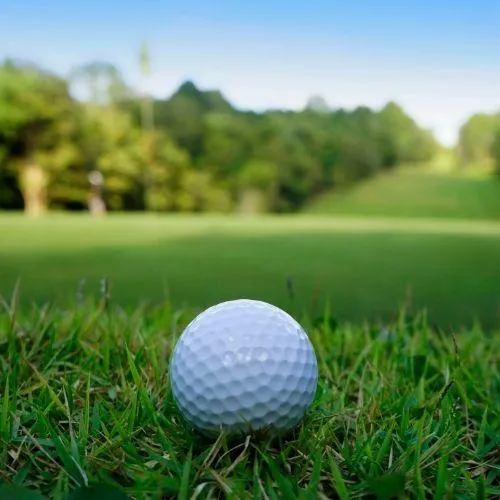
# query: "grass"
{"type": "Point", "coordinates": [408, 400]}
{"type": "Point", "coordinates": [402, 410]}
{"type": "Point", "coordinates": [364, 268]}
{"type": "Point", "coordinates": [412, 192]}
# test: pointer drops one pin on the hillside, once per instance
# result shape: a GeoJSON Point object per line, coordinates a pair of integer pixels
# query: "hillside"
{"type": "Point", "coordinates": [416, 193]}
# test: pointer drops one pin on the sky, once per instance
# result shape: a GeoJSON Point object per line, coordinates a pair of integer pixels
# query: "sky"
{"type": "Point", "coordinates": [440, 59]}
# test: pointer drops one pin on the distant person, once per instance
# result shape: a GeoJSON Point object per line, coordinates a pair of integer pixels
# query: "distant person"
{"type": "Point", "coordinates": [96, 203]}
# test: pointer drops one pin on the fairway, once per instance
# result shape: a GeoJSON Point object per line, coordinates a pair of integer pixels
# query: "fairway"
{"type": "Point", "coordinates": [416, 192]}
{"type": "Point", "coordinates": [365, 269]}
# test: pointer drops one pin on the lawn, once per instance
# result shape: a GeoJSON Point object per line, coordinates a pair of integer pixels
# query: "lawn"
{"type": "Point", "coordinates": [410, 406]}
{"type": "Point", "coordinates": [366, 269]}
{"type": "Point", "coordinates": [85, 399]}
{"type": "Point", "coordinates": [414, 192]}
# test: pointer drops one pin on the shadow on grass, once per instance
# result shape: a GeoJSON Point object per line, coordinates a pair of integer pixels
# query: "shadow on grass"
{"type": "Point", "coordinates": [363, 276]}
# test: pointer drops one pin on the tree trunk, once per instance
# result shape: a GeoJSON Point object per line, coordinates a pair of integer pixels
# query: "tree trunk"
{"type": "Point", "coordinates": [33, 184]}
{"type": "Point", "coordinates": [252, 201]}
{"type": "Point", "coordinates": [96, 204]}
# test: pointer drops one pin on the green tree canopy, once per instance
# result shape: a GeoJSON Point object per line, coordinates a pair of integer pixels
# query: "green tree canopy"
{"type": "Point", "coordinates": [199, 153]}
{"type": "Point", "coordinates": [37, 129]}
{"type": "Point", "coordinates": [476, 138]}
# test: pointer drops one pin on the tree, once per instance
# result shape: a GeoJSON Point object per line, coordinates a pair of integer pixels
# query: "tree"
{"type": "Point", "coordinates": [166, 176]}
{"type": "Point", "coordinates": [149, 139]}
{"type": "Point", "coordinates": [183, 116]}
{"type": "Point", "coordinates": [227, 144]}
{"type": "Point", "coordinates": [147, 109]}
{"type": "Point", "coordinates": [401, 140]}
{"type": "Point", "coordinates": [109, 139]}
{"type": "Point", "coordinates": [190, 152]}
{"type": "Point", "coordinates": [111, 145]}
{"type": "Point", "coordinates": [298, 170]}
{"type": "Point", "coordinates": [37, 126]}
{"type": "Point", "coordinates": [495, 150]}
{"type": "Point", "coordinates": [317, 104]}
{"type": "Point", "coordinates": [200, 192]}
{"type": "Point", "coordinates": [476, 138]}
{"type": "Point", "coordinates": [257, 182]}
{"type": "Point", "coordinates": [98, 82]}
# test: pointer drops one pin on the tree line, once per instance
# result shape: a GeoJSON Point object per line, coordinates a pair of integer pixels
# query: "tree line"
{"type": "Point", "coordinates": [190, 152]}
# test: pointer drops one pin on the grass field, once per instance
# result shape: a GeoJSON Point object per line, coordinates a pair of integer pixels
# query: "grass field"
{"type": "Point", "coordinates": [365, 269]}
{"type": "Point", "coordinates": [404, 412]}
{"type": "Point", "coordinates": [413, 192]}
{"type": "Point", "coordinates": [405, 409]}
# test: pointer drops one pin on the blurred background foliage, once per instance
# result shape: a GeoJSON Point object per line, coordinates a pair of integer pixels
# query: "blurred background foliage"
{"type": "Point", "coordinates": [193, 151]}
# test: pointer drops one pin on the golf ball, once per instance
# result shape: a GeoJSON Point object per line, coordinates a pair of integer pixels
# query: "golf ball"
{"type": "Point", "coordinates": [243, 365]}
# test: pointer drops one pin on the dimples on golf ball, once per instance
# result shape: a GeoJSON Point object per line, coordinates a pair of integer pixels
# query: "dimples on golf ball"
{"type": "Point", "coordinates": [243, 365]}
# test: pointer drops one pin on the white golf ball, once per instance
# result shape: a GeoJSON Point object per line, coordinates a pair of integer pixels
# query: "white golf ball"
{"type": "Point", "coordinates": [243, 365]}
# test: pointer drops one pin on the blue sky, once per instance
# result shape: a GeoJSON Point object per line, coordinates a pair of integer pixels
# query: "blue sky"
{"type": "Point", "coordinates": [439, 59]}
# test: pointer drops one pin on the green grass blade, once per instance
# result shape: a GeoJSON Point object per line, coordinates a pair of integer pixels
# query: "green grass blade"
{"type": "Point", "coordinates": [186, 471]}
{"type": "Point", "coordinates": [338, 481]}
